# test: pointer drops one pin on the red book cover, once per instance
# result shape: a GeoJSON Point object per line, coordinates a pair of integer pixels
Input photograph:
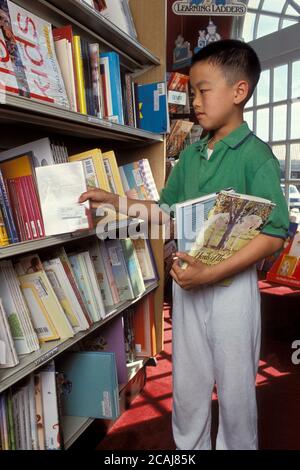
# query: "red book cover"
{"type": "Point", "coordinates": [286, 269]}
{"type": "Point", "coordinates": [23, 208]}
{"type": "Point", "coordinates": [144, 327]}
{"type": "Point", "coordinates": [15, 206]}
{"type": "Point", "coordinates": [36, 206]}
{"type": "Point", "coordinates": [177, 82]}
{"type": "Point", "coordinates": [29, 206]}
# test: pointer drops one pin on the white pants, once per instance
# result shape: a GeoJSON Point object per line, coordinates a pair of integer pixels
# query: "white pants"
{"type": "Point", "coordinates": [216, 339]}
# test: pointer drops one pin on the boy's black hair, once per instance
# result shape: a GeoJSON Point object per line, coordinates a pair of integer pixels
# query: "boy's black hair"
{"type": "Point", "coordinates": [236, 58]}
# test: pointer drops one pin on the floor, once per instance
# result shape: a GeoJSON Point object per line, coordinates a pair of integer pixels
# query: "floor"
{"type": "Point", "coordinates": [147, 424]}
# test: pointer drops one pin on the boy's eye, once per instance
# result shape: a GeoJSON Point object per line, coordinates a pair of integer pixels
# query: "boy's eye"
{"type": "Point", "coordinates": [203, 91]}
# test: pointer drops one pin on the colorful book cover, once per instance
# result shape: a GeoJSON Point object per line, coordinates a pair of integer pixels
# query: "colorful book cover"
{"type": "Point", "coordinates": [286, 268]}
{"type": "Point", "coordinates": [144, 327]}
{"type": "Point", "coordinates": [90, 384]}
{"type": "Point", "coordinates": [7, 213]}
{"type": "Point", "coordinates": [236, 219]}
{"type": "Point", "coordinates": [31, 68]}
{"type": "Point", "coordinates": [113, 69]}
{"type": "Point", "coordinates": [112, 172]}
{"type": "Point", "coordinates": [119, 269]}
{"type": "Point", "coordinates": [40, 152]}
{"type": "Point", "coordinates": [93, 167]}
{"type": "Point", "coordinates": [133, 266]}
{"type": "Point", "coordinates": [79, 75]}
{"type": "Point", "coordinates": [153, 107]}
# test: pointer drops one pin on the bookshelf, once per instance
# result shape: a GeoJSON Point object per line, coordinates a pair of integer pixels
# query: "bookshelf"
{"type": "Point", "coordinates": [23, 120]}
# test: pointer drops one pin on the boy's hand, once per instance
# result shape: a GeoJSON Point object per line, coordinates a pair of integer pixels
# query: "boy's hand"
{"type": "Point", "coordinates": [195, 275]}
{"type": "Point", "coordinates": [98, 196]}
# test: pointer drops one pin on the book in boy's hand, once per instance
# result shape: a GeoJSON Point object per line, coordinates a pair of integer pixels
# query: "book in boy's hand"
{"type": "Point", "coordinates": [234, 221]}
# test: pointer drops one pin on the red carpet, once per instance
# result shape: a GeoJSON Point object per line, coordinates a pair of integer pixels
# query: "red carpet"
{"type": "Point", "coordinates": [147, 424]}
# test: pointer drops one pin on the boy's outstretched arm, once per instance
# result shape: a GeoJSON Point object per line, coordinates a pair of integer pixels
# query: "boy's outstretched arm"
{"type": "Point", "coordinates": [198, 273]}
{"type": "Point", "coordinates": [146, 210]}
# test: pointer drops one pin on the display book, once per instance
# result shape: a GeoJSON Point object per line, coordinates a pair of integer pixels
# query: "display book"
{"type": "Point", "coordinates": [66, 69]}
{"type": "Point", "coordinates": [213, 227]}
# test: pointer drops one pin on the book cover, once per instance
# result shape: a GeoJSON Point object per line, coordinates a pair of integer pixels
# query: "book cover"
{"type": "Point", "coordinates": [144, 327]}
{"type": "Point", "coordinates": [286, 268]}
{"type": "Point", "coordinates": [236, 219]}
{"type": "Point", "coordinates": [40, 152]}
{"type": "Point", "coordinates": [153, 107]}
{"type": "Point", "coordinates": [112, 67]}
{"type": "Point", "coordinates": [133, 266]}
{"type": "Point", "coordinates": [110, 339]}
{"type": "Point", "coordinates": [89, 384]}
{"type": "Point", "coordinates": [119, 269]}
{"type": "Point", "coordinates": [79, 75]}
{"type": "Point", "coordinates": [31, 68]}
{"type": "Point", "coordinates": [112, 172]}
{"type": "Point", "coordinates": [93, 167]}
{"type": "Point", "coordinates": [50, 409]}
{"type": "Point", "coordinates": [59, 198]}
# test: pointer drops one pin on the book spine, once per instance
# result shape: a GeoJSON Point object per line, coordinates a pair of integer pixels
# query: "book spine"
{"type": "Point", "coordinates": [80, 75]}
{"type": "Point", "coordinates": [7, 212]}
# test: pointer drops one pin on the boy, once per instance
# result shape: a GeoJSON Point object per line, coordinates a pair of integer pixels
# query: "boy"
{"type": "Point", "coordinates": [216, 329]}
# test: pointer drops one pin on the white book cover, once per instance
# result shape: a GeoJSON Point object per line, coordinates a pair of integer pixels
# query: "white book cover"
{"type": "Point", "coordinates": [50, 409]}
{"type": "Point", "coordinates": [94, 283]}
{"type": "Point", "coordinates": [32, 69]}
{"type": "Point", "coordinates": [142, 250]}
{"type": "Point", "coordinates": [26, 412]}
{"type": "Point", "coordinates": [17, 327]}
{"type": "Point", "coordinates": [60, 187]}
{"type": "Point", "coordinates": [8, 354]}
{"type": "Point", "coordinates": [41, 152]}
{"type": "Point", "coordinates": [61, 287]}
{"type": "Point", "coordinates": [14, 285]}
{"type": "Point", "coordinates": [94, 250]}
{"type": "Point", "coordinates": [64, 54]}
{"type": "Point", "coordinates": [118, 13]}
{"type": "Point", "coordinates": [94, 308]}
{"type": "Point", "coordinates": [109, 272]}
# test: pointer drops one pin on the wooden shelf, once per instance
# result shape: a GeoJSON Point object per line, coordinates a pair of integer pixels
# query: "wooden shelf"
{"type": "Point", "coordinates": [108, 32]}
{"type": "Point", "coordinates": [51, 349]}
{"type": "Point", "coordinates": [18, 109]}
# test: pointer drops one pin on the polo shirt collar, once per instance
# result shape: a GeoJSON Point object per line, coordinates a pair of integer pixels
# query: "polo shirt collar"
{"type": "Point", "coordinates": [232, 140]}
{"type": "Point", "coordinates": [238, 136]}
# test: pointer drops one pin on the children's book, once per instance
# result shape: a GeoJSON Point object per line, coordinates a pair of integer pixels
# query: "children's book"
{"type": "Point", "coordinates": [286, 269]}
{"type": "Point", "coordinates": [153, 113]}
{"type": "Point", "coordinates": [234, 221]}
{"type": "Point", "coordinates": [89, 384]}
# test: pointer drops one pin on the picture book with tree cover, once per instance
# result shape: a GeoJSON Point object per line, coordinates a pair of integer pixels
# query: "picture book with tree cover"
{"type": "Point", "coordinates": [234, 220]}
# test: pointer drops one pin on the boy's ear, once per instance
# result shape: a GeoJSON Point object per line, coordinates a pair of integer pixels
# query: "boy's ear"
{"type": "Point", "coordinates": [241, 90]}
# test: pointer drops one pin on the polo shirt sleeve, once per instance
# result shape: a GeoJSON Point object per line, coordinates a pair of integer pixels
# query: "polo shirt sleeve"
{"type": "Point", "coordinates": [266, 184]}
{"type": "Point", "coordinates": [169, 195]}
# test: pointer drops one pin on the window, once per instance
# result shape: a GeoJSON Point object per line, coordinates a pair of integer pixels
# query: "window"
{"type": "Point", "coordinates": [267, 16]}
{"type": "Point", "coordinates": [273, 111]}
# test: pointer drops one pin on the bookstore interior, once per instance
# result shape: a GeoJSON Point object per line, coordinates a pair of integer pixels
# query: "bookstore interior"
{"type": "Point", "coordinates": [95, 95]}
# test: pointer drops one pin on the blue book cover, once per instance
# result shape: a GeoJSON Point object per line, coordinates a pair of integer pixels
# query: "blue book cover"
{"type": "Point", "coordinates": [88, 384]}
{"type": "Point", "coordinates": [153, 107]}
{"type": "Point", "coordinates": [133, 267]}
{"type": "Point", "coordinates": [115, 84]}
{"type": "Point", "coordinates": [7, 213]}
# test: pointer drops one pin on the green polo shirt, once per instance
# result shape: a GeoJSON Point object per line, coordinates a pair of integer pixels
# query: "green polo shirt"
{"type": "Point", "coordinates": [240, 161]}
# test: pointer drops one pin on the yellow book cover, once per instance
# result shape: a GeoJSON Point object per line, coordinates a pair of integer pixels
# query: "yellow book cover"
{"type": "Point", "coordinates": [43, 325]}
{"type": "Point", "coordinates": [40, 285]}
{"type": "Point", "coordinates": [79, 75]}
{"type": "Point", "coordinates": [3, 233]}
{"type": "Point", "coordinates": [90, 169]}
{"type": "Point", "coordinates": [16, 167]}
{"type": "Point", "coordinates": [112, 172]}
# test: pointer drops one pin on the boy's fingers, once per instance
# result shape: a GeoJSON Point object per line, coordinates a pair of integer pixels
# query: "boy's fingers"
{"type": "Point", "coordinates": [185, 257]}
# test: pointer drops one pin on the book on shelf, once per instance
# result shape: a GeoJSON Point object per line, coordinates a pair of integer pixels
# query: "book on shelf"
{"type": "Point", "coordinates": [152, 108]}
{"type": "Point", "coordinates": [109, 339]}
{"type": "Point", "coordinates": [8, 353]}
{"type": "Point", "coordinates": [22, 331]}
{"type": "Point", "coordinates": [215, 226]}
{"type": "Point", "coordinates": [177, 85]}
{"type": "Point", "coordinates": [119, 269]}
{"type": "Point", "coordinates": [111, 63]}
{"type": "Point", "coordinates": [144, 327]}
{"type": "Point", "coordinates": [138, 181]}
{"type": "Point", "coordinates": [133, 267]}
{"type": "Point", "coordinates": [94, 169]}
{"type": "Point", "coordinates": [146, 259]}
{"type": "Point", "coordinates": [31, 68]}
{"type": "Point", "coordinates": [48, 316]}
{"type": "Point", "coordinates": [178, 133]}
{"type": "Point", "coordinates": [89, 384]}
{"type": "Point", "coordinates": [113, 173]}
{"type": "Point", "coordinates": [118, 12]}
{"type": "Point", "coordinates": [286, 268]}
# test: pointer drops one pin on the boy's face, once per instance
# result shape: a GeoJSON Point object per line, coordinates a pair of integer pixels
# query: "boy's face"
{"type": "Point", "coordinates": [214, 99]}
